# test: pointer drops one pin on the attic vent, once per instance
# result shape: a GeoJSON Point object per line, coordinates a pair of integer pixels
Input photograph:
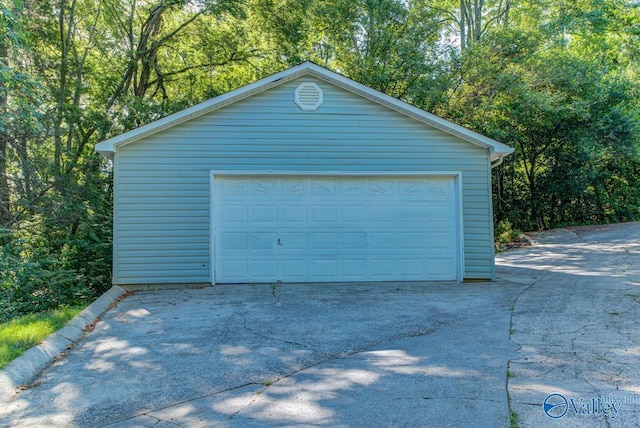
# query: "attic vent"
{"type": "Point", "coordinates": [308, 96]}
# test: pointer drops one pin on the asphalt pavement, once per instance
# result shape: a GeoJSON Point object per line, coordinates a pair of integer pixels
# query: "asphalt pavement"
{"type": "Point", "coordinates": [553, 342]}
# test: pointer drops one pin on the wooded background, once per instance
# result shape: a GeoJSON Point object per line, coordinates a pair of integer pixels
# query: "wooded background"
{"type": "Point", "coordinates": [556, 79]}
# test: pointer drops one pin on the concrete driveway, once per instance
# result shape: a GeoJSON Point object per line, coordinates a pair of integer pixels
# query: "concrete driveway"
{"type": "Point", "coordinates": [577, 326]}
{"type": "Point", "coordinates": [561, 319]}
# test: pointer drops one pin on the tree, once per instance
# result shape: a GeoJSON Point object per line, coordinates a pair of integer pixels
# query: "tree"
{"type": "Point", "coordinates": [566, 103]}
{"type": "Point", "coordinates": [103, 67]}
{"type": "Point", "coordinates": [18, 100]}
{"type": "Point", "coordinates": [469, 20]}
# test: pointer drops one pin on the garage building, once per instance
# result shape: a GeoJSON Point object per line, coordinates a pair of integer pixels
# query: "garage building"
{"type": "Point", "coordinates": [303, 176]}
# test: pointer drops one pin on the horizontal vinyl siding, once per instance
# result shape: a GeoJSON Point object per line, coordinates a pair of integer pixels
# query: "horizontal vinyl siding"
{"type": "Point", "coordinates": [162, 182]}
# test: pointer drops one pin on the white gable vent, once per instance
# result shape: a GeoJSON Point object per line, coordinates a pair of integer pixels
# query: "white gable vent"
{"type": "Point", "coordinates": [308, 96]}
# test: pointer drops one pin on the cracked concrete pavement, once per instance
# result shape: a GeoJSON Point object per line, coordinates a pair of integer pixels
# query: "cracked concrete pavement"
{"type": "Point", "coordinates": [561, 318]}
{"type": "Point", "coordinates": [577, 327]}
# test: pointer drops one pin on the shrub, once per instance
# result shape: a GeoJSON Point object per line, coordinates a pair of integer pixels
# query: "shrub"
{"type": "Point", "coordinates": [41, 271]}
{"type": "Point", "coordinates": [504, 233]}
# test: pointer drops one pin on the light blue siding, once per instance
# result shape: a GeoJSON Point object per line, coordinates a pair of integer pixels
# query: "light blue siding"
{"type": "Point", "coordinates": [162, 220]}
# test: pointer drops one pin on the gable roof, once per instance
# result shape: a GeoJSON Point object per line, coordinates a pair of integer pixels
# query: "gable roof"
{"type": "Point", "coordinates": [496, 149]}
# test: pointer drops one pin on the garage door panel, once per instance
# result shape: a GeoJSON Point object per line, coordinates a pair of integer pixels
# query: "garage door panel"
{"type": "Point", "coordinates": [381, 241]}
{"type": "Point", "coordinates": [410, 187]}
{"type": "Point", "coordinates": [440, 267]}
{"type": "Point", "coordinates": [353, 187]}
{"type": "Point", "coordinates": [441, 241]}
{"type": "Point", "coordinates": [293, 187]}
{"type": "Point", "coordinates": [325, 187]}
{"type": "Point", "coordinates": [352, 268]}
{"type": "Point", "coordinates": [263, 187]}
{"type": "Point", "coordinates": [323, 213]}
{"type": "Point", "coordinates": [267, 214]}
{"type": "Point", "coordinates": [234, 241]}
{"type": "Point", "coordinates": [379, 188]}
{"type": "Point", "coordinates": [293, 241]}
{"type": "Point", "coordinates": [293, 269]}
{"type": "Point", "coordinates": [411, 213]}
{"type": "Point", "coordinates": [294, 214]}
{"type": "Point", "coordinates": [409, 241]}
{"type": "Point", "coordinates": [335, 229]}
{"type": "Point", "coordinates": [351, 213]}
{"type": "Point", "coordinates": [352, 240]}
{"type": "Point", "coordinates": [234, 187]}
{"type": "Point", "coordinates": [264, 269]}
{"type": "Point", "coordinates": [382, 268]}
{"type": "Point", "coordinates": [324, 241]}
{"type": "Point", "coordinates": [263, 241]}
{"type": "Point", "coordinates": [439, 187]}
{"type": "Point", "coordinates": [234, 214]}
{"type": "Point", "coordinates": [321, 269]}
{"type": "Point", "coordinates": [411, 267]}
{"type": "Point", "coordinates": [439, 211]}
{"type": "Point", "coordinates": [381, 214]}
{"type": "Point", "coordinates": [233, 269]}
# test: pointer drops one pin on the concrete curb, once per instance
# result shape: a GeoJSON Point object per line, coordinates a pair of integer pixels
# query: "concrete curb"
{"type": "Point", "coordinates": [26, 367]}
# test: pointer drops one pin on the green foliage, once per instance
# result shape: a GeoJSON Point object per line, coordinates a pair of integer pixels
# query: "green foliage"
{"type": "Point", "coordinates": [575, 130]}
{"type": "Point", "coordinates": [504, 233]}
{"type": "Point", "coordinates": [558, 81]}
{"type": "Point", "coordinates": [60, 255]}
{"type": "Point", "coordinates": [513, 419]}
{"type": "Point", "coordinates": [40, 270]}
{"type": "Point", "coordinates": [20, 334]}
{"type": "Point", "coordinates": [387, 45]}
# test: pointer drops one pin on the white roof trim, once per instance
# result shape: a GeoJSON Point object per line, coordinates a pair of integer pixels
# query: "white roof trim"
{"type": "Point", "coordinates": [497, 149]}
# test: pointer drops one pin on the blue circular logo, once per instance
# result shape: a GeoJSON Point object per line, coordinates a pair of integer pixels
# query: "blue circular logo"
{"type": "Point", "coordinates": [555, 406]}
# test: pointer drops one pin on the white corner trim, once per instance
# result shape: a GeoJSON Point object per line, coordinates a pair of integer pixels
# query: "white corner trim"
{"type": "Point", "coordinates": [461, 266]}
{"type": "Point", "coordinates": [212, 230]}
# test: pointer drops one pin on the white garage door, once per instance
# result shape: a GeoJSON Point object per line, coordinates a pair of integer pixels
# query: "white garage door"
{"type": "Point", "coordinates": [319, 229]}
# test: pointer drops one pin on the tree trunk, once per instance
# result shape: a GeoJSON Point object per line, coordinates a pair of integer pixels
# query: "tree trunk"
{"type": "Point", "coordinates": [477, 19]}
{"type": "Point", "coordinates": [61, 92]}
{"type": "Point", "coordinates": [505, 18]}
{"type": "Point", "coordinates": [463, 24]}
{"type": "Point", "coordinates": [5, 211]}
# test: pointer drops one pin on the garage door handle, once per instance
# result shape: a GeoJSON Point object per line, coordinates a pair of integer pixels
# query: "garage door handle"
{"type": "Point", "coordinates": [279, 242]}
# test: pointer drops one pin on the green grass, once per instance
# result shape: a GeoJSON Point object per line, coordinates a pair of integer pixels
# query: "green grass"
{"type": "Point", "coordinates": [20, 334]}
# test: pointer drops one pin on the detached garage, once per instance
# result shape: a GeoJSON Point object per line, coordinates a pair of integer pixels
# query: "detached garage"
{"type": "Point", "coordinates": [304, 176]}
